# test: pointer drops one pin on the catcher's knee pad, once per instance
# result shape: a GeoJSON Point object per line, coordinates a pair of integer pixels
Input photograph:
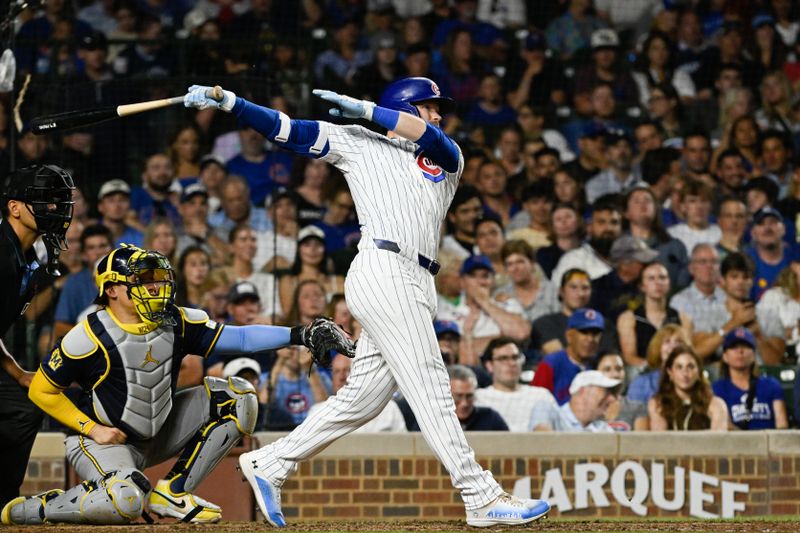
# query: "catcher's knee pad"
{"type": "Point", "coordinates": [116, 499]}
{"type": "Point", "coordinates": [234, 411]}
{"type": "Point", "coordinates": [233, 399]}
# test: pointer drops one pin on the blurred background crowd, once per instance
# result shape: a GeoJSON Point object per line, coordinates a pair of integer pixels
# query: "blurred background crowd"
{"type": "Point", "coordinates": [621, 254]}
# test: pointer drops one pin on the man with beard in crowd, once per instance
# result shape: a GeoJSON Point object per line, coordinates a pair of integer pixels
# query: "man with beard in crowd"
{"type": "Point", "coordinates": [464, 212]}
{"type": "Point", "coordinates": [619, 177]}
{"type": "Point", "coordinates": [731, 175]}
{"type": "Point", "coordinates": [593, 255]}
{"type": "Point", "coordinates": [153, 198]}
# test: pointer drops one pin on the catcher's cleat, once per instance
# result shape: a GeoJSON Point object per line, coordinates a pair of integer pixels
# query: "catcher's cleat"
{"type": "Point", "coordinates": [186, 507]}
{"type": "Point", "coordinates": [268, 495]}
{"type": "Point", "coordinates": [508, 510]}
{"type": "Point", "coordinates": [28, 510]}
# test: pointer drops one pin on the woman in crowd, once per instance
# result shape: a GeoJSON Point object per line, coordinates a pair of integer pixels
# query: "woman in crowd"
{"type": "Point", "coordinates": [636, 327]}
{"type": "Point", "coordinates": [310, 191]}
{"type": "Point", "coordinates": [642, 218]}
{"type": "Point", "coordinates": [242, 240]}
{"type": "Point", "coordinates": [776, 103]}
{"type": "Point", "coordinates": [665, 108]}
{"type": "Point", "coordinates": [160, 236]}
{"type": "Point", "coordinates": [456, 68]}
{"type": "Point", "coordinates": [528, 284]}
{"type": "Point", "coordinates": [766, 49]}
{"type": "Point", "coordinates": [184, 151]}
{"type": "Point", "coordinates": [684, 400]}
{"type": "Point", "coordinates": [338, 310]}
{"type": "Point", "coordinates": [645, 385]}
{"type": "Point", "coordinates": [743, 136]}
{"type": "Point", "coordinates": [215, 297]}
{"type": "Point", "coordinates": [736, 103]}
{"type": "Point", "coordinates": [569, 190]}
{"type": "Point", "coordinates": [308, 302]}
{"type": "Point", "coordinates": [778, 310]}
{"type": "Point", "coordinates": [311, 263]}
{"type": "Point", "coordinates": [754, 402]}
{"type": "Point", "coordinates": [655, 66]}
{"type": "Point", "coordinates": [567, 234]}
{"type": "Point", "coordinates": [623, 414]}
{"type": "Point", "coordinates": [194, 266]}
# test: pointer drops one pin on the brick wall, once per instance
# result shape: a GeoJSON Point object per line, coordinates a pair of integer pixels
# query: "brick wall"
{"type": "Point", "coordinates": [396, 476]}
{"type": "Point", "coordinates": [352, 479]}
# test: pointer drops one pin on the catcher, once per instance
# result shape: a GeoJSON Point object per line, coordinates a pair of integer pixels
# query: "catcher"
{"type": "Point", "coordinates": [126, 358]}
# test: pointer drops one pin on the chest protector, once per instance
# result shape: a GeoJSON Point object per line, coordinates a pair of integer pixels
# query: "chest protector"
{"type": "Point", "coordinates": [142, 364]}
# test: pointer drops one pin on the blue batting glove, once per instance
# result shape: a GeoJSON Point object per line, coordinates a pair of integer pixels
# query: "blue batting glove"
{"type": "Point", "coordinates": [197, 97]}
{"type": "Point", "coordinates": [347, 107]}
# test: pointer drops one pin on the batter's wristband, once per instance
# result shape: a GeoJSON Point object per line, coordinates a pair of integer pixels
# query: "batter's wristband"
{"type": "Point", "coordinates": [296, 336]}
{"type": "Point", "coordinates": [386, 118]}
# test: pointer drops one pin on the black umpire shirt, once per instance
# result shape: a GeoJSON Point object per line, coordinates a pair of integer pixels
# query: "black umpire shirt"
{"type": "Point", "coordinates": [16, 277]}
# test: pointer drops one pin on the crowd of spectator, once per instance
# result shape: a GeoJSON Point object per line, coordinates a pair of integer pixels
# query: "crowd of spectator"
{"type": "Point", "coordinates": [621, 253]}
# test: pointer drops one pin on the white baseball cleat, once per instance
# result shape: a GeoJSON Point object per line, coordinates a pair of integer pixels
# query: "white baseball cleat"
{"type": "Point", "coordinates": [508, 510]}
{"type": "Point", "coordinates": [268, 495]}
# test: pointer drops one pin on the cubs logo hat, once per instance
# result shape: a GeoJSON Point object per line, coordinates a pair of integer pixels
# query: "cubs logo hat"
{"type": "Point", "coordinates": [585, 319]}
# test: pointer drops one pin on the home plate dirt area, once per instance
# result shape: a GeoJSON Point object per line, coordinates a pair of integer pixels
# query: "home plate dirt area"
{"type": "Point", "coordinates": [782, 525]}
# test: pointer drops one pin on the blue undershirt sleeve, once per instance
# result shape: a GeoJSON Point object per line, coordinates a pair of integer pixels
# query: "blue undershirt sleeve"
{"type": "Point", "coordinates": [305, 137]}
{"type": "Point", "coordinates": [248, 339]}
{"type": "Point", "coordinates": [439, 148]}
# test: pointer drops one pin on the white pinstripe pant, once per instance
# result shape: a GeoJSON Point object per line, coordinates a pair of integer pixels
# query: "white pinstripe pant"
{"type": "Point", "coordinates": [394, 299]}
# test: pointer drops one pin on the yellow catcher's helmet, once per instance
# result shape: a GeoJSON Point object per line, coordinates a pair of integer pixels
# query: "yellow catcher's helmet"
{"type": "Point", "coordinates": [148, 276]}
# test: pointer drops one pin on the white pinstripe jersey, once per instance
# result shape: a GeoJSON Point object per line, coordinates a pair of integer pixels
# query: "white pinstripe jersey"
{"type": "Point", "coordinates": [396, 193]}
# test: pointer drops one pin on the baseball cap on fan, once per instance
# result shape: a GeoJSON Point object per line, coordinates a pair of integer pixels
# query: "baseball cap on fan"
{"type": "Point", "coordinates": [739, 335]}
{"type": "Point", "coordinates": [195, 189]}
{"type": "Point", "coordinates": [585, 319]}
{"type": "Point", "coordinates": [604, 38]}
{"type": "Point", "coordinates": [242, 291]}
{"type": "Point", "coordinates": [382, 39]}
{"type": "Point", "coordinates": [535, 41]}
{"type": "Point", "coordinates": [93, 41]}
{"type": "Point", "coordinates": [444, 327]}
{"type": "Point", "coordinates": [112, 187]}
{"type": "Point", "coordinates": [589, 378]}
{"type": "Point", "coordinates": [240, 364]}
{"type": "Point", "coordinates": [765, 212]}
{"type": "Point", "coordinates": [475, 262]}
{"type": "Point", "coordinates": [630, 248]}
{"type": "Point", "coordinates": [211, 159]}
{"type": "Point", "coordinates": [310, 232]}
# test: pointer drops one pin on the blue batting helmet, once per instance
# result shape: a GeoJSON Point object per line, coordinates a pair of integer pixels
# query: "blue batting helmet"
{"type": "Point", "coordinates": [404, 94]}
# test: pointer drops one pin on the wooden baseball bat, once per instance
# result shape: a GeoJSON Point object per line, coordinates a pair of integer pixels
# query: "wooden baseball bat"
{"type": "Point", "coordinates": [88, 117]}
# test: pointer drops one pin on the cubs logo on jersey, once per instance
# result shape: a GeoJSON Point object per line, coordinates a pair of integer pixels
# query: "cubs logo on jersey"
{"type": "Point", "coordinates": [430, 170]}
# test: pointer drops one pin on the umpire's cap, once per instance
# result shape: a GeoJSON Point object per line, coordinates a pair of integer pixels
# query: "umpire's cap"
{"type": "Point", "coordinates": [404, 94]}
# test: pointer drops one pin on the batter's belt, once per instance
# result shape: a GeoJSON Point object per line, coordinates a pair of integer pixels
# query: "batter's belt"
{"type": "Point", "coordinates": [431, 265]}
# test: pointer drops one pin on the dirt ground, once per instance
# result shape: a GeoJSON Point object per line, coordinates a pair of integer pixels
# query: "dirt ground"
{"type": "Point", "coordinates": [551, 526]}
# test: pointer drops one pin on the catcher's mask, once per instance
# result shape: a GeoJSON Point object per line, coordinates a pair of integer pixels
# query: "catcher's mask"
{"type": "Point", "coordinates": [149, 278]}
{"type": "Point", "coordinates": [46, 191]}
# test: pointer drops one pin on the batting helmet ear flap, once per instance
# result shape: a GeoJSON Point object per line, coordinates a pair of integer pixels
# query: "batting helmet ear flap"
{"type": "Point", "coordinates": [404, 94]}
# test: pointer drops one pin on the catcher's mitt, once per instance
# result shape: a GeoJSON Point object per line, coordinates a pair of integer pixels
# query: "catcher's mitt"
{"type": "Point", "coordinates": [324, 335]}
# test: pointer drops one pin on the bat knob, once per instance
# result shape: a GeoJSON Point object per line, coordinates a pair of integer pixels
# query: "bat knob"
{"type": "Point", "coordinates": [215, 93]}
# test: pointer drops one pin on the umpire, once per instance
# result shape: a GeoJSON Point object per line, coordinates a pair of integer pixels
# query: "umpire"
{"type": "Point", "coordinates": [35, 202]}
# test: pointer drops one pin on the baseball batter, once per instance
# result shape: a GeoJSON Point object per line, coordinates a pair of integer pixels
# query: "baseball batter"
{"type": "Point", "coordinates": [126, 357]}
{"type": "Point", "coordinates": [402, 184]}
